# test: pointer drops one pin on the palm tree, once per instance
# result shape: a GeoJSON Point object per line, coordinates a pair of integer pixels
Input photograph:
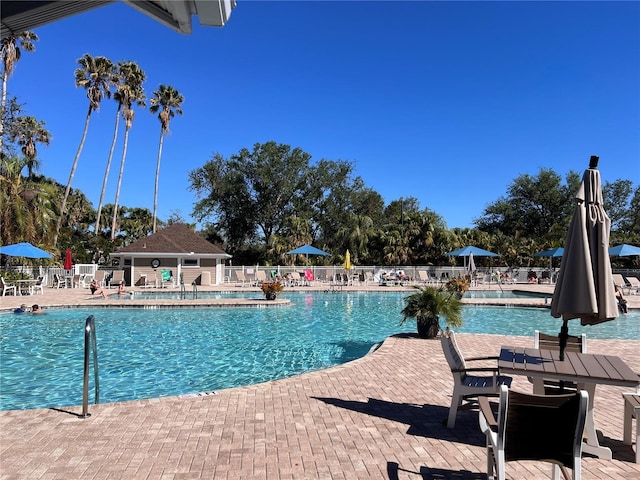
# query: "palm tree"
{"type": "Point", "coordinates": [26, 209]}
{"type": "Point", "coordinates": [28, 131]}
{"type": "Point", "coordinates": [167, 101]}
{"type": "Point", "coordinates": [10, 53]}
{"type": "Point", "coordinates": [427, 305]}
{"type": "Point", "coordinates": [129, 92]}
{"type": "Point", "coordinates": [96, 76]}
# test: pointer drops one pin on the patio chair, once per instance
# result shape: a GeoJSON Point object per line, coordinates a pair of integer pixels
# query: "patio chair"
{"type": "Point", "coordinates": [99, 277]}
{"type": "Point", "coordinates": [575, 343]}
{"type": "Point", "coordinates": [59, 281]}
{"type": "Point", "coordinates": [634, 285]}
{"type": "Point", "coordinates": [240, 277]}
{"type": "Point", "coordinates": [620, 281]}
{"type": "Point", "coordinates": [534, 427]}
{"type": "Point", "coordinates": [76, 280]}
{"type": "Point", "coordinates": [117, 276]}
{"type": "Point", "coordinates": [261, 277]}
{"type": "Point", "coordinates": [6, 287]}
{"type": "Point", "coordinates": [167, 277]}
{"type": "Point", "coordinates": [468, 387]}
{"type": "Point", "coordinates": [39, 285]}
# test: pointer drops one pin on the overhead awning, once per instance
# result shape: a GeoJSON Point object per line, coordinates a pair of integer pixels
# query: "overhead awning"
{"type": "Point", "coordinates": [19, 15]}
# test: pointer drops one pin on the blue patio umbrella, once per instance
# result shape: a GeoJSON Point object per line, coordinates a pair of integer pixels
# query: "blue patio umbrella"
{"type": "Point", "coordinates": [24, 249]}
{"type": "Point", "coordinates": [477, 252]}
{"type": "Point", "coordinates": [624, 250]}
{"type": "Point", "coordinates": [551, 253]}
{"type": "Point", "coordinates": [307, 250]}
{"type": "Point", "coordinates": [468, 250]}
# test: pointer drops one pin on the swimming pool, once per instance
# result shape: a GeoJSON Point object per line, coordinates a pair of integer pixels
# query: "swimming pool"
{"type": "Point", "coordinates": [155, 353]}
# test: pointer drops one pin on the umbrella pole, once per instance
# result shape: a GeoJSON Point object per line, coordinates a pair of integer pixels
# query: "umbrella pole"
{"type": "Point", "coordinates": [564, 336]}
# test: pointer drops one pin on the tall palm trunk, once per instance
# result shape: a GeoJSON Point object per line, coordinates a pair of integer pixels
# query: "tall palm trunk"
{"type": "Point", "coordinates": [3, 104]}
{"type": "Point", "coordinates": [106, 171]}
{"type": "Point", "coordinates": [155, 193]}
{"type": "Point", "coordinates": [73, 172]}
{"type": "Point", "coordinates": [115, 206]}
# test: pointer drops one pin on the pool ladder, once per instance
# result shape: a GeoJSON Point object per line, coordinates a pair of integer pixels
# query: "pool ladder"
{"type": "Point", "coordinates": [89, 345]}
{"type": "Point", "coordinates": [183, 290]}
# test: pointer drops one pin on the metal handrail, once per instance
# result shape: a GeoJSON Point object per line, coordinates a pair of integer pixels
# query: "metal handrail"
{"type": "Point", "coordinates": [89, 343]}
{"type": "Point", "coordinates": [195, 289]}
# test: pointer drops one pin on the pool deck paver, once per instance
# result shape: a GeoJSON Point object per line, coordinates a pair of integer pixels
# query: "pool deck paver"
{"type": "Point", "coordinates": [378, 417]}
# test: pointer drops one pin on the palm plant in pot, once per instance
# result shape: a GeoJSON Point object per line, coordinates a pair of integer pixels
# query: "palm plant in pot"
{"type": "Point", "coordinates": [430, 303]}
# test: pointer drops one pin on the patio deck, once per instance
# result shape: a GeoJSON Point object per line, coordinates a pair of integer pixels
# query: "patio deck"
{"type": "Point", "coordinates": [379, 417]}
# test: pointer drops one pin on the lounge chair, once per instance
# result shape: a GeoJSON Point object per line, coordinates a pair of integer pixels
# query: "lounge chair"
{"type": "Point", "coordinates": [6, 288]}
{"type": "Point", "coordinates": [575, 343]}
{"type": "Point", "coordinates": [167, 277]}
{"type": "Point", "coordinates": [99, 277]}
{"type": "Point", "coordinates": [240, 277]}
{"type": "Point", "coordinates": [634, 285]}
{"type": "Point", "coordinates": [465, 386]}
{"type": "Point", "coordinates": [261, 277]}
{"type": "Point", "coordinates": [620, 281]}
{"type": "Point", "coordinates": [309, 277]}
{"type": "Point", "coordinates": [534, 427]}
{"type": "Point", "coordinates": [117, 276]}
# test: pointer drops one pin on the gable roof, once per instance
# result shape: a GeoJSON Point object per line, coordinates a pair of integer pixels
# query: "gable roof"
{"type": "Point", "coordinates": [176, 239]}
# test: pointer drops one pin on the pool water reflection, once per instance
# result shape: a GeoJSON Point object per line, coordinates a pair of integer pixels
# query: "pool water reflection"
{"type": "Point", "coordinates": [153, 353]}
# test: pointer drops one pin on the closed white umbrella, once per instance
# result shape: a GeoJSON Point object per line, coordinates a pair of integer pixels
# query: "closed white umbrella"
{"type": "Point", "coordinates": [585, 288]}
{"type": "Point", "coordinates": [472, 264]}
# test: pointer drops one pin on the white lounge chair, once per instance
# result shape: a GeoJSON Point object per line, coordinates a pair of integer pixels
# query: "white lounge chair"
{"type": "Point", "coordinates": [534, 427]}
{"type": "Point", "coordinates": [466, 386]}
{"type": "Point", "coordinates": [634, 285]}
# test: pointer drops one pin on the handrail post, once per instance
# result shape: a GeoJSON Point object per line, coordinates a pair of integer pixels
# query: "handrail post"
{"type": "Point", "coordinates": [89, 341]}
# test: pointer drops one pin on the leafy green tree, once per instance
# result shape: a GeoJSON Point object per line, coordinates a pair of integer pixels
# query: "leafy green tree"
{"type": "Point", "coordinates": [533, 207]}
{"type": "Point", "coordinates": [252, 191]}
{"type": "Point", "coordinates": [166, 101]}
{"type": "Point", "coordinates": [129, 93]}
{"type": "Point", "coordinates": [96, 76]}
{"type": "Point", "coordinates": [617, 196]}
{"type": "Point", "coordinates": [11, 48]}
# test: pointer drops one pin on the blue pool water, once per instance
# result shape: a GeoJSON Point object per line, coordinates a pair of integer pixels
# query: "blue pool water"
{"type": "Point", "coordinates": [155, 353]}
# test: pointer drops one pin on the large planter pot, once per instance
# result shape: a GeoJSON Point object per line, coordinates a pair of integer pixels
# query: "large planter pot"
{"type": "Point", "coordinates": [428, 328]}
{"type": "Point", "coordinates": [271, 296]}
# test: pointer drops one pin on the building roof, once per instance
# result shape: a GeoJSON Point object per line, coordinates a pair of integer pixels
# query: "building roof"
{"type": "Point", "coordinates": [22, 15]}
{"type": "Point", "coordinates": [174, 240]}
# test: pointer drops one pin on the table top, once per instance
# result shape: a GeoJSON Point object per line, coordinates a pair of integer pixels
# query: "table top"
{"type": "Point", "coordinates": [579, 367]}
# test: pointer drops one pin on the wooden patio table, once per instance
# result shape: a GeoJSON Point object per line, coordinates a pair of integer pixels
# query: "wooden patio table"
{"type": "Point", "coordinates": [585, 369]}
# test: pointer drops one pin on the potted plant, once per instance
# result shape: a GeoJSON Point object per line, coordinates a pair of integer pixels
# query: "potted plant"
{"type": "Point", "coordinates": [271, 289]}
{"type": "Point", "coordinates": [458, 285]}
{"type": "Point", "coordinates": [427, 305]}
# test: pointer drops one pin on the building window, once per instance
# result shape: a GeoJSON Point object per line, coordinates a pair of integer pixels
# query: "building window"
{"type": "Point", "coordinates": [190, 262]}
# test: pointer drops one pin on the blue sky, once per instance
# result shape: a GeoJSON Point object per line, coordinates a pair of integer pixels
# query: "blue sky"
{"type": "Point", "coordinates": [445, 101]}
